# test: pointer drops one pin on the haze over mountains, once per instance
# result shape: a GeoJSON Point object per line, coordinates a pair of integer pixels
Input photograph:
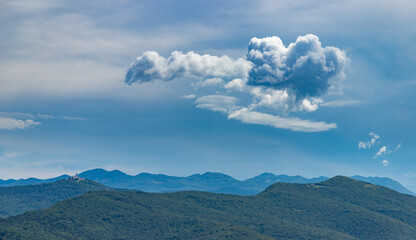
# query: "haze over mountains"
{"type": "Point", "coordinates": [338, 208]}
{"type": "Point", "coordinates": [209, 182]}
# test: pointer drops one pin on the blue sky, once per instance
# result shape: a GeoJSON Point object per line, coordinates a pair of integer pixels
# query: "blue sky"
{"type": "Point", "coordinates": [199, 100]}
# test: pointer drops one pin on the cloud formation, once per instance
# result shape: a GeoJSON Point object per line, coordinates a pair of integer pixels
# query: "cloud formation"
{"type": "Point", "coordinates": [382, 151]}
{"type": "Point", "coordinates": [304, 67]}
{"type": "Point", "coordinates": [369, 144]}
{"type": "Point", "coordinates": [218, 103]}
{"type": "Point", "coordinates": [7, 123]}
{"type": "Point", "coordinates": [294, 124]}
{"type": "Point", "coordinates": [151, 66]}
{"type": "Point", "coordinates": [385, 163]}
{"type": "Point", "coordinates": [285, 79]}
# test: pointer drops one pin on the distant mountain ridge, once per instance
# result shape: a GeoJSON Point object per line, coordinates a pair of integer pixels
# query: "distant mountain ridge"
{"type": "Point", "coordinates": [338, 208]}
{"type": "Point", "coordinates": [209, 182]}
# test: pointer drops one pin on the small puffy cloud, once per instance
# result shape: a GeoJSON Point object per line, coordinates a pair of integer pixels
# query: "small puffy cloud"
{"type": "Point", "coordinates": [218, 103]}
{"type": "Point", "coordinates": [382, 151]}
{"type": "Point", "coordinates": [304, 67]}
{"type": "Point", "coordinates": [190, 96]}
{"type": "Point", "coordinates": [151, 66]}
{"type": "Point", "coordinates": [277, 99]}
{"type": "Point", "coordinates": [12, 123]}
{"type": "Point", "coordinates": [295, 124]}
{"type": "Point", "coordinates": [385, 163]}
{"type": "Point", "coordinates": [310, 105]}
{"type": "Point", "coordinates": [236, 84]}
{"type": "Point", "coordinates": [369, 144]}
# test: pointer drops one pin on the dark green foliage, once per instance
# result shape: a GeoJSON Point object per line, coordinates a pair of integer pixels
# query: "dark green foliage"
{"type": "Point", "coordinates": [19, 199]}
{"type": "Point", "coordinates": [339, 208]}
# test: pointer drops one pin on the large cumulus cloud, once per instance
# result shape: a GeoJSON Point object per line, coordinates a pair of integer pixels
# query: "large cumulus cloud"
{"type": "Point", "coordinates": [284, 79]}
{"type": "Point", "coordinates": [304, 67]}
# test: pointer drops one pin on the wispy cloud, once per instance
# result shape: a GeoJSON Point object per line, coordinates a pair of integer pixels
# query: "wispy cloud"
{"type": "Point", "coordinates": [294, 124]}
{"type": "Point", "coordinates": [218, 103]}
{"type": "Point", "coordinates": [382, 151]}
{"type": "Point", "coordinates": [398, 147]}
{"type": "Point", "coordinates": [410, 174]}
{"type": "Point", "coordinates": [190, 96]}
{"type": "Point", "coordinates": [12, 123]}
{"type": "Point", "coordinates": [385, 163]}
{"type": "Point", "coordinates": [341, 103]}
{"type": "Point", "coordinates": [62, 117]}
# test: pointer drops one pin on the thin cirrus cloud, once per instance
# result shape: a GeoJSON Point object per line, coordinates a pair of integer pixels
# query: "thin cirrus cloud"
{"type": "Point", "coordinates": [284, 79]}
{"type": "Point", "coordinates": [17, 120]}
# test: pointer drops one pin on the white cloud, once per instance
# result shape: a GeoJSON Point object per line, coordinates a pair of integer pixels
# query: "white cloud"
{"type": "Point", "coordinates": [340, 103]}
{"type": "Point", "coordinates": [236, 84]}
{"type": "Point", "coordinates": [190, 96]}
{"type": "Point", "coordinates": [210, 82]}
{"type": "Point", "coordinates": [398, 147]}
{"type": "Point", "coordinates": [386, 163]}
{"type": "Point", "coordinates": [151, 66]}
{"type": "Point", "coordinates": [382, 151]}
{"type": "Point", "coordinates": [219, 103]}
{"type": "Point", "coordinates": [410, 174]}
{"type": "Point", "coordinates": [12, 123]}
{"type": "Point", "coordinates": [62, 117]}
{"type": "Point", "coordinates": [310, 105]}
{"type": "Point", "coordinates": [304, 67]}
{"type": "Point", "coordinates": [44, 116]}
{"type": "Point", "coordinates": [369, 144]}
{"type": "Point", "coordinates": [278, 77]}
{"type": "Point", "coordinates": [17, 115]}
{"type": "Point", "coordinates": [294, 124]}
{"type": "Point", "coordinates": [277, 99]}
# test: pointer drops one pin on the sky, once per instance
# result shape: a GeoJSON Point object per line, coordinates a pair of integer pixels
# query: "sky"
{"type": "Point", "coordinates": [311, 88]}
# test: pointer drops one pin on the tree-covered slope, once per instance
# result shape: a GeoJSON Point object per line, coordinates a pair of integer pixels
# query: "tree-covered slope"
{"type": "Point", "coordinates": [339, 208]}
{"type": "Point", "coordinates": [19, 199]}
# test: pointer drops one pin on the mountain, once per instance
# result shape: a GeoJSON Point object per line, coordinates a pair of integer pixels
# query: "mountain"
{"type": "Point", "coordinates": [209, 182]}
{"type": "Point", "coordinates": [338, 208]}
{"type": "Point", "coordinates": [29, 181]}
{"type": "Point", "coordinates": [19, 199]}
{"type": "Point", "coordinates": [385, 182]}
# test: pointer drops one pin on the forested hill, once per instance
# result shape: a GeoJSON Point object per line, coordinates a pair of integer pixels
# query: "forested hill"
{"type": "Point", "coordinates": [19, 199]}
{"type": "Point", "coordinates": [339, 208]}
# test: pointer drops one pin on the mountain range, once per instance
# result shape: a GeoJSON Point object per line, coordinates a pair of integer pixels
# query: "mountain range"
{"type": "Point", "coordinates": [208, 182]}
{"type": "Point", "coordinates": [338, 208]}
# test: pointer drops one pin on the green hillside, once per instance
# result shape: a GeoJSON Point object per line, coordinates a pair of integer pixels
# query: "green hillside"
{"type": "Point", "coordinates": [339, 208]}
{"type": "Point", "coordinates": [19, 199]}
